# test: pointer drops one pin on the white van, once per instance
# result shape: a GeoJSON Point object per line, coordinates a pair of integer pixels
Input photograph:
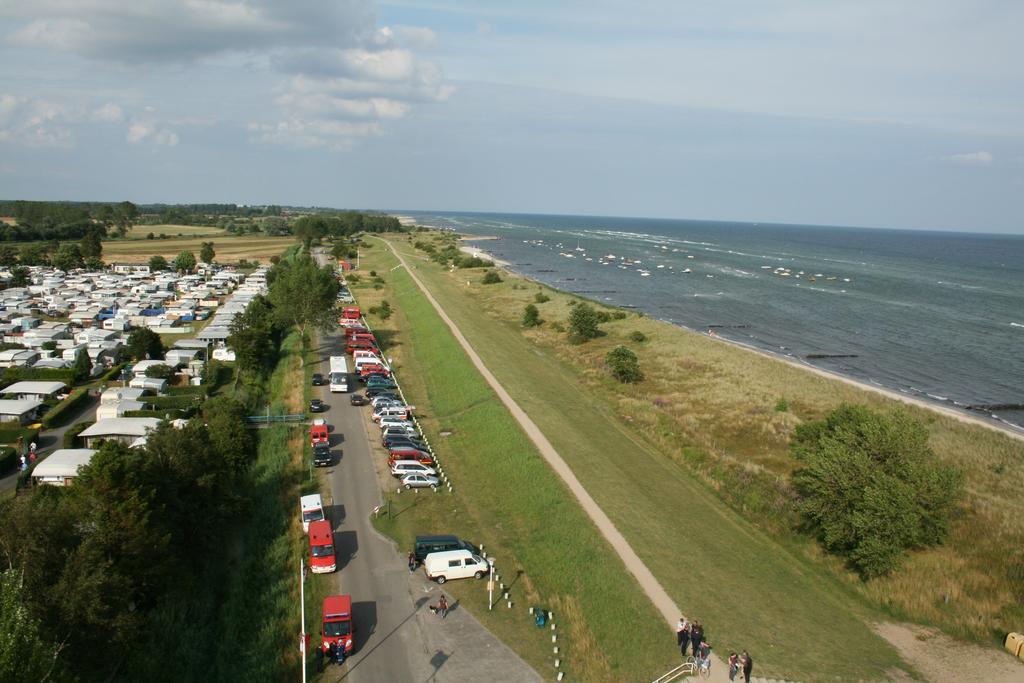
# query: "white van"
{"type": "Point", "coordinates": [386, 422]}
{"type": "Point", "coordinates": [454, 564]}
{"type": "Point", "coordinates": [399, 411]}
{"type": "Point", "coordinates": [312, 510]}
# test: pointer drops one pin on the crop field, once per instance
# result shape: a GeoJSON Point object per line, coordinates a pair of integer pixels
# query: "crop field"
{"type": "Point", "coordinates": [228, 248]}
{"type": "Point", "coordinates": [507, 498]}
{"type": "Point", "coordinates": [169, 230]}
{"type": "Point", "coordinates": [717, 420]}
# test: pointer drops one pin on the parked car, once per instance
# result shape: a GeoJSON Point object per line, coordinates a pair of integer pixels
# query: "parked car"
{"type": "Point", "coordinates": [454, 564]}
{"type": "Point", "coordinates": [424, 545]}
{"type": "Point", "coordinates": [411, 453]}
{"type": "Point", "coordinates": [318, 379]}
{"type": "Point", "coordinates": [384, 398]}
{"type": "Point", "coordinates": [358, 400]}
{"type": "Point", "coordinates": [322, 455]}
{"type": "Point", "coordinates": [378, 391]}
{"type": "Point", "coordinates": [400, 468]}
{"type": "Point", "coordinates": [395, 422]}
{"type": "Point", "coordinates": [420, 481]}
{"type": "Point", "coordinates": [318, 434]}
{"type": "Point", "coordinates": [336, 624]}
{"type": "Point", "coordinates": [403, 442]}
{"type": "Point", "coordinates": [317, 406]}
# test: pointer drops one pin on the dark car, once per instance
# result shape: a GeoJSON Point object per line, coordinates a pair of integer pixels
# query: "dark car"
{"type": "Point", "coordinates": [358, 400]}
{"type": "Point", "coordinates": [322, 455]}
{"type": "Point", "coordinates": [377, 391]}
{"type": "Point", "coordinates": [318, 379]}
{"type": "Point", "coordinates": [399, 441]}
{"type": "Point", "coordinates": [317, 406]}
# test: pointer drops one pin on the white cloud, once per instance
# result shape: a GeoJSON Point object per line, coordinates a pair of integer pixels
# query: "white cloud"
{"type": "Point", "coordinates": [979, 158]}
{"type": "Point", "coordinates": [35, 122]}
{"type": "Point", "coordinates": [108, 113]}
{"type": "Point", "coordinates": [415, 37]}
{"type": "Point", "coordinates": [140, 131]}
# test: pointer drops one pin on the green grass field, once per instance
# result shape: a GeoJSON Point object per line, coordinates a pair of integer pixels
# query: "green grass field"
{"type": "Point", "coordinates": [748, 590]}
{"type": "Point", "coordinates": [506, 498]}
{"type": "Point", "coordinates": [170, 230]}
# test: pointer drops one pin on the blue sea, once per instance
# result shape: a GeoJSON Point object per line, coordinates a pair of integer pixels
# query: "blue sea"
{"type": "Point", "coordinates": [935, 315]}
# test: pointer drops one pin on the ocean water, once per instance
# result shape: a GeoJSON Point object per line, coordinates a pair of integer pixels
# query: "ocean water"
{"type": "Point", "coordinates": [936, 315]}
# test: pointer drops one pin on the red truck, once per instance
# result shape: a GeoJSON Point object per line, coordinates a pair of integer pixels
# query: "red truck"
{"type": "Point", "coordinates": [321, 547]}
{"type": "Point", "coordinates": [351, 312]}
{"type": "Point", "coordinates": [337, 625]}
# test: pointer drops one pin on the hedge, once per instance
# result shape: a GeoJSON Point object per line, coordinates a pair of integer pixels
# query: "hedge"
{"type": "Point", "coordinates": [187, 391]}
{"type": "Point", "coordinates": [169, 413]}
{"type": "Point", "coordinates": [65, 409]}
{"type": "Point", "coordinates": [12, 375]}
{"type": "Point", "coordinates": [10, 431]}
{"type": "Point", "coordinates": [8, 459]}
{"type": "Point", "coordinates": [181, 401]}
{"type": "Point", "coordinates": [71, 436]}
{"type": "Point", "coordinates": [112, 373]}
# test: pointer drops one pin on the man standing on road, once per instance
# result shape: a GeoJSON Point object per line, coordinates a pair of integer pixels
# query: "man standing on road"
{"type": "Point", "coordinates": [412, 562]}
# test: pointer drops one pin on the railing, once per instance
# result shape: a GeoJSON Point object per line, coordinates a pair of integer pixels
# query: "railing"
{"type": "Point", "coordinates": [684, 669]}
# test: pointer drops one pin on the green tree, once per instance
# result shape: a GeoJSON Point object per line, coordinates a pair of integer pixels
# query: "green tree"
{"type": "Point", "coordinates": [91, 244]}
{"type": "Point", "coordinates": [303, 294]}
{"type": "Point", "coordinates": [8, 255]}
{"type": "Point", "coordinates": [491, 277]}
{"type": "Point", "coordinates": [253, 338]}
{"type": "Point", "coordinates": [144, 343]}
{"type": "Point", "coordinates": [83, 366]}
{"type": "Point", "coordinates": [20, 276]}
{"type": "Point", "coordinates": [125, 215]}
{"type": "Point", "coordinates": [583, 322]}
{"type": "Point", "coordinates": [94, 263]}
{"type": "Point", "coordinates": [230, 440]}
{"type": "Point", "coordinates": [157, 263]}
{"type": "Point", "coordinates": [206, 254]}
{"type": "Point", "coordinates": [68, 257]}
{"type": "Point", "coordinates": [34, 254]}
{"type": "Point", "coordinates": [24, 656]}
{"type": "Point", "coordinates": [185, 262]}
{"type": "Point", "coordinates": [624, 365]}
{"type": "Point", "coordinates": [160, 371]}
{"type": "Point", "coordinates": [871, 488]}
{"type": "Point", "coordinates": [531, 316]}
{"type": "Point", "coordinates": [541, 298]}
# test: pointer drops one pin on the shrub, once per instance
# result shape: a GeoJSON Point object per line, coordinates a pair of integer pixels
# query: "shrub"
{"type": "Point", "coordinates": [541, 298]}
{"type": "Point", "coordinates": [618, 315]}
{"type": "Point", "coordinates": [531, 316]}
{"type": "Point", "coordinates": [871, 488]}
{"type": "Point", "coordinates": [782, 406]}
{"type": "Point", "coordinates": [583, 322]}
{"type": "Point", "coordinates": [63, 411]}
{"type": "Point", "coordinates": [10, 431]}
{"type": "Point", "coordinates": [71, 435]}
{"type": "Point", "coordinates": [624, 365]}
{"type": "Point", "coordinates": [638, 336]}
{"type": "Point", "coordinates": [491, 277]}
{"type": "Point", "coordinates": [160, 371]}
{"type": "Point", "coordinates": [8, 459]}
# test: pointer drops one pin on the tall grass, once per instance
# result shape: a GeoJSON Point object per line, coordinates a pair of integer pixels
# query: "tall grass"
{"type": "Point", "coordinates": [240, 621]}
{"type": "Point", "coordinates": [507, 498]}
{"type": "Point", "coordinates": [710, 409]}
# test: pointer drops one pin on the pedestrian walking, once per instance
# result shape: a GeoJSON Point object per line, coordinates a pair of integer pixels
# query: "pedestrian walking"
{"type": "Point", "coordinates": [748, 666]}
{"type": "Point", "coordinates": [32, 457]}
{"type": "Point", "coordinates": [696, 637]}
{"type": "Point", "coordinates": [24, 463]}
{"type": "Point", "coordinates": [412, 562]}
{"type": "Point", "coordinates": [32, 447]}
{"type": "Point", "coordinates": [442, 607]}
{"type": "Point", "coordinates": [734, 665]}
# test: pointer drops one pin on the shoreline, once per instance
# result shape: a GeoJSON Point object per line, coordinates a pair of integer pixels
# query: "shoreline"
{"type": "Point", "coordinates": [893, 394]}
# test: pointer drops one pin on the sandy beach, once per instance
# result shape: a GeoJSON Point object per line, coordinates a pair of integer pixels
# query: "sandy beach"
{"type": "Point", "coordinates": [889, 393]}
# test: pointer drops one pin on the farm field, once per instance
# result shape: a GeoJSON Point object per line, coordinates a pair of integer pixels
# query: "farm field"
{"type": "Point", "coordinates": [228, 248]}
{"type": "Point", "coordinates": [709, 412]}
{"type": "Point", "coordinates": [140, 231]}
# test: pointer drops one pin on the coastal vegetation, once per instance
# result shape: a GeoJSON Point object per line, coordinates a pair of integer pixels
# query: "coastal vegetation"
{"type": "Point", "coordinates": [708, 412]}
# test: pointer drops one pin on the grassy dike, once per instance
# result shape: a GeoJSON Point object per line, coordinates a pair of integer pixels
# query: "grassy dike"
{"type": "Point", "coordinates": [241, 621]}
{"type": "Point", "coordinates": [507, 498]}
{"type": "Point", "coordinates": [797, 620]}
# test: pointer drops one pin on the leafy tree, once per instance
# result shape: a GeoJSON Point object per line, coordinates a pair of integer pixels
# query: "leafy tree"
{"type": "Point", "coordinates": [125, 215]}
{"type": "Point", "coordinates": [68, 257]}
{"type": "Point", "coordinates": [91, 244]}
{"type": "Point", "coordinates": [20, 276]}
{"type": "Point", "coordinates": [207, 253]}
{"type": "Point", "coordinates": [624, 365]}
{"type": "Point", "coordinates": [83, 366]}
{"type": "Point", "coordinates": [531, 316]}
{"type": "Point", "coordinates": [144, 343]}
{"type": "Point", "coordinates": [638, 336]}
{"type": "Point", "coordinates": [185, 262]}
{"type": "Point", "coordinates": [8, 255]}
{"type": "Point", "coordinates": [583, 322]}
{"type": "Point", "coordinates": [34, 254]}
{"type": "Point", "coordinates": [253, 338]}
{"type": "Point", "coordinates": [491, 277]}
{"type": "Point", "coordinates": [160, 371]}
{"type": "Point", "coordinates": [157, 263]}
{"type": "Point", "coordinates": [871, 488]}
{"type": "Point", "coordinates": [230, 440]}
{"type": "Point", "coordinates": [24, 656]}
{"type": "Point", "coordinates": [303, 294]}
{"type": "Point", "coordinates": [94, 263]}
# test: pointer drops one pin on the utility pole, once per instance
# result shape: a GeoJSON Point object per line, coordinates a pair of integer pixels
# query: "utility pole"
{"type": "Point", "coordinates": [302, 613]}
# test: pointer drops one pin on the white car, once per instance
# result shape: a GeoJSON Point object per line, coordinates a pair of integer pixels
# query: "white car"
{"type": "Point", "coordinates": [386, 422]}
{"type": "Point", "coordinates": [319, 421]}
{"type": "Point", "coordinates": [400, 468]}
{"type": "Point", "coordinates": [420, 481]}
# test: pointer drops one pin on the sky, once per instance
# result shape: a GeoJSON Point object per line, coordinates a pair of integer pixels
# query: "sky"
{"type": "Point", "coordinates": [880, 113]}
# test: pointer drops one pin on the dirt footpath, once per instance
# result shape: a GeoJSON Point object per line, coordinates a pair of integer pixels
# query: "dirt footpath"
{"type": "Point", "coordinates": [941, 659]}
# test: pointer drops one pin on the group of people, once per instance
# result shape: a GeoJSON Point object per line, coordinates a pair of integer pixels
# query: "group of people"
{"type": "Point", "coordinates": [31, 456]}
{"type": "Point", "coordinates": [334, 652]}
{"type": "Point", "coordinates": [690, 636]}
{"type": "Point", "coordinates": [441, 608]}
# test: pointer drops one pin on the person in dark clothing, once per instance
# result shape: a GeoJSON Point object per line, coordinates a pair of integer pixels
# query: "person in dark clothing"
{"type": "Point", "coordinates": [320, 659]}
{"type": "Point", "coordinates": [412, 561]}
{"type": "Point", "coordinates": [684, 640]}
{"type": "Point", "coordinates": [748, 666]}
{"type": "Point", "coordinates": [332, 652]}
{"type": "Point", "coordinates": [696, 637]}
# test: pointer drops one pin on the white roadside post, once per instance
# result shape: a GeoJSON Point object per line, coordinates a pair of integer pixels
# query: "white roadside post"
{"type": "Point", "coordinates": [490, 584]}
{"type": "Point", "coordinates": [302, 612]}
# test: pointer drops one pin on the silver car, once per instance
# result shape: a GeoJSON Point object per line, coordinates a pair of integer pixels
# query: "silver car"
{"type": "Point", "coordinates": [420, 481]}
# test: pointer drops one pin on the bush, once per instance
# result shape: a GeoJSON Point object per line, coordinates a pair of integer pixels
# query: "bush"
{"type": "Point", "coordinates": [471, 262]}
{"type": "Point", "coordinates": [618, 315]}
{"type": "Point", "coordinates": [638, 336]}
{"type": "Point", "coordinates": [624, 365]}
{"type": "Point", "coordinates": [531, 316]}
{"type": "Point", "coordinates": [871, 488]}
{"type": "Point", "coordinates": [583, 321]}
{"type": "Point", "coordinates": [782, 406]}
{"type": "Point", "coordinates": [71, 435]}
{"type": "Point", "coordinates": [12, 375]}
{"type": "Point", "coordinates": [64, 410]}
{"type": "Point", "coordinates": [491, 277]}
{"type": "Point", "coordinates": [541, 298]}
{"type": "Point", "coordinates": [10, 431]}
{"type": "Point", "coordinates": [162, 413]}
{"type": "Point", "coordinates": [160, 371]}
{"type": "Point", "coordinates": [8, 459]}
{"type": "Point", "coordinates": [182, 402]}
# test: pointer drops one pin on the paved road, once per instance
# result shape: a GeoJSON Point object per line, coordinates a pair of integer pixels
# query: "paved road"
{"type": "Point", "coordinates": [648, 583]}
{"type": "Point", "coordinates": [397, 638]}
